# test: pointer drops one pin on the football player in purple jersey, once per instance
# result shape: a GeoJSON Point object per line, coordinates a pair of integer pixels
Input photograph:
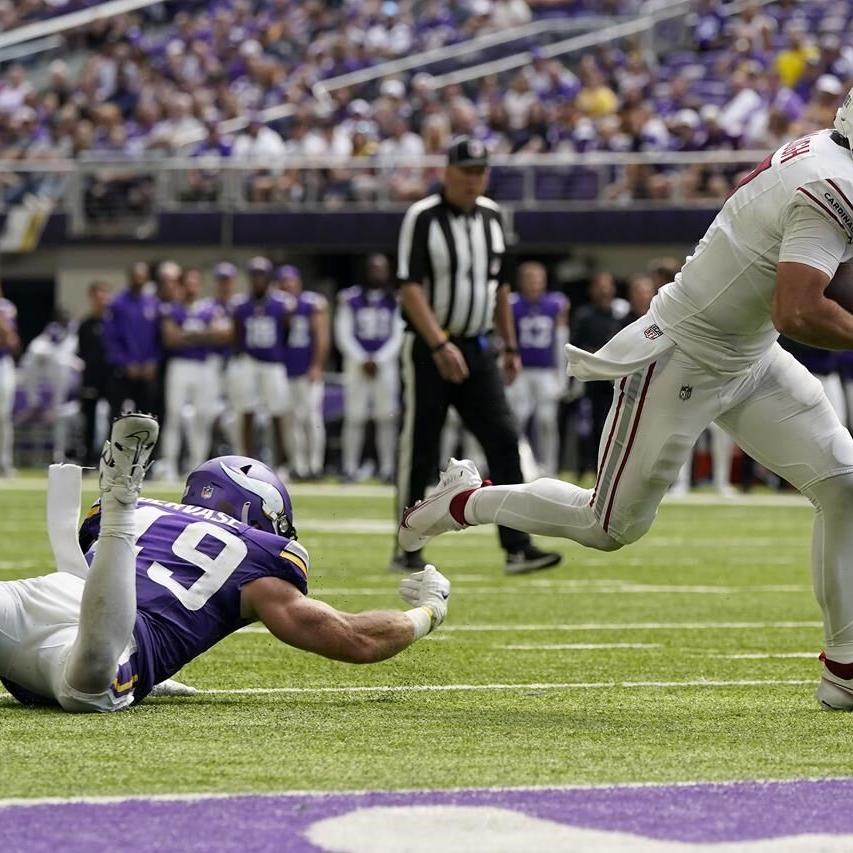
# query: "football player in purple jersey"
{"type": "Point", "coordinates": [369, 332]}
{"type": "Point", "coordinates": [150, 585]}
{"type": "Point", "coordinates": [305, 360]}
{"type": "Point", "coordinates": [257, 376]}
{"type": "Point", "coordinates": [542, 329]}
{"type": "Point", "coordinates": [191, 328]}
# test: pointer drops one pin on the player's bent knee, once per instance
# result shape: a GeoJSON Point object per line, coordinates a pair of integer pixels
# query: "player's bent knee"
{"type": "Point", "coordinates": [603, 541]}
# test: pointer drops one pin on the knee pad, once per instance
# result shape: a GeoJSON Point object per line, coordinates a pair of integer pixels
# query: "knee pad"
{"type": "Point", "coordinates": [602, 541]}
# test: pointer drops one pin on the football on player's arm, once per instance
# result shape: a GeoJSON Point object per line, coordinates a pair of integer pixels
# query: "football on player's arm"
{"type": "Point", "coordinates": [840, 288]}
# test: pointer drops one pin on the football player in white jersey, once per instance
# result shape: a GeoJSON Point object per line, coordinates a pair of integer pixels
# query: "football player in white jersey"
{"type": "Point", "coordinates": [707, 351]}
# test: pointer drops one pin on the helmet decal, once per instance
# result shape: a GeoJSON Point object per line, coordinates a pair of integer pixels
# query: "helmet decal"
{"type": "Point", "coordinates": [271, 500]}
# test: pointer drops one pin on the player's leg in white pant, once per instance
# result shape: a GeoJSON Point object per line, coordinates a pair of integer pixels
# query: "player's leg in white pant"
{"type": "Point", "coordinates": [7, 400]}
{"type": "Point", "coordinates": [787, 424]}
{"type": "Point", "coordinates": [681, 486]}
{"type": "Point", "coordinates": [275, 392]}
{"type": "Point", "coordinates": [647, 437]}
{"type": "Point", "coordinates": [108, 606]}
{"type": "Point", "coordinates": [546, 393]}
{"type": "Point", "coordinates": [203, 394]}
{"type": "Point", "coordinates": [359, 397]}
{"type": "Point", "coordinates": [179, 391]}
{"type": "Point", "coordinates": [385, 414]}
{"type": "Point", "coordinates": [721, 460]}
{"type": "Point", "coordinates": [848, 395]}
{"type": "Point", "coordinates": [315, 427]}
{"type": "Point", "coordinates": [297, 439]}
{"type": "Point", "coordinates": [451, 436]}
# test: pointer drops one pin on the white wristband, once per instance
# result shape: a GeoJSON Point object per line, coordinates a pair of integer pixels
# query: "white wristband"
{"type": "Point", "coordinates": [421, 619]}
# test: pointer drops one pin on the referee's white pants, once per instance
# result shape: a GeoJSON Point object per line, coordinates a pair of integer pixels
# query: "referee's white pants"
{"type": "Point", "coordinates": [777, 412]}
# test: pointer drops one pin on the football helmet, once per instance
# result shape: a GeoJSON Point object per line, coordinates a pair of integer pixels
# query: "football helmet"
{"type": "Point", "coordinates": [844, 119]}
{"type": "Point", "coordinates": [246, 490]}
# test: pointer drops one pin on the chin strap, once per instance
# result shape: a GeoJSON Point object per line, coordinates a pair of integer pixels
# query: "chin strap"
{"type": "Point", "coordinates": [63, 513]}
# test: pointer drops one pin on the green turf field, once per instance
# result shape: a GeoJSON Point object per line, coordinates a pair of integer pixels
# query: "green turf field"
{"type": "Point", "coordinates": [690, 655]}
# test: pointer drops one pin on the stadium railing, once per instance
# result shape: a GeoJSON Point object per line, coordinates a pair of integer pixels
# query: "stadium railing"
{"type": "Point", "coordinates": [115, 195]}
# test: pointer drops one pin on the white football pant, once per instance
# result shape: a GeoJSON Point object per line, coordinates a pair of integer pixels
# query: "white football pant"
{"type": "Point", "coordinates": [257, 385]}
{"type": "Point", "coordinates": [192, 394]}
{"type": "Point", "coordinates": [834, 389]}
{"type": "Point", "coordinates": [306, 427]}
{"type": "Point", "coordinates": [7, 402]}
{"type": "Point", "coordinates": [777, 412]}
{"type": "Point", "coordinates": [364, 397]}
{"type": "Point", "coordinates": [536, 393]}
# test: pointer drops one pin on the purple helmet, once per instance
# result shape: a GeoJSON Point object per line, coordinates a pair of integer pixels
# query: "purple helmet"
{"type": "Point", "coordinates": [246, 490]}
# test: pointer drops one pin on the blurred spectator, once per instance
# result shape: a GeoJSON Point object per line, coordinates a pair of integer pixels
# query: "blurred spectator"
{"type": "Point", "coordinates": [791, 61]}
{"type": "Point", "coordinates": [132, 344]}
{"type": "Point", "coordinates": [824, 102]}
{"type": "Point", "coordinates": [95, 383]}
{"type": "Point", "coordinates": [641, 291]}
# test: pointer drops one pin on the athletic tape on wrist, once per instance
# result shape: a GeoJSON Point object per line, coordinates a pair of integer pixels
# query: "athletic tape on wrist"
{"type": "Point", "coordinates": [422, 619]}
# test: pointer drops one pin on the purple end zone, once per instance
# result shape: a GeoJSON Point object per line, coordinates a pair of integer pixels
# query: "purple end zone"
{"type": "Point", "coordinates": [701, 813]}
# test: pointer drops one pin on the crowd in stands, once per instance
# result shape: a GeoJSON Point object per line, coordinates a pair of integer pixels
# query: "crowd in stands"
{"type": "Point", "coordinates": [747, 81]}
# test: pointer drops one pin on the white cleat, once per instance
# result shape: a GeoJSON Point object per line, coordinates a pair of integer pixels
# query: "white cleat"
{"type": "Point", "coordinates": [431, 516]}
{"type": "Point", "coordinates": [170, 687]}
{"type": "Point", "coordinates": [125, 457]}
{"type": "Point", "coordinates": [834, 693]}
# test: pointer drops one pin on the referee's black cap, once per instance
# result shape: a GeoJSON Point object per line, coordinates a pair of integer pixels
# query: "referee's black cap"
{"type": "Point", "coordinates": [465, 151]}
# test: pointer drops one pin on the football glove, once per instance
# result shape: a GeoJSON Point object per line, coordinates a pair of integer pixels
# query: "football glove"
{"type": "Point", "coordinates": [430, 589]}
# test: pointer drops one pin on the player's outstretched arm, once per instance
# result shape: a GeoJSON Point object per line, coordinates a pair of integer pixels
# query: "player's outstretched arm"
{"type": "Point", "coordinates": [351, 637]}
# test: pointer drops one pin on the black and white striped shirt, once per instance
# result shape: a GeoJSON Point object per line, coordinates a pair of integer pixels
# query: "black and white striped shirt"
{"type": "Point", "coordinates": [457, 257]}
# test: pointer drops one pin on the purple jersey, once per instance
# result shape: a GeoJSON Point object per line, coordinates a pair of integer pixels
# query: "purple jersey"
{"type": "Point", "coordinates": [536, 328]}
{"type": "Point", "coordinates": [261, 326]}
{"type": "Point", "coordinates": [300, 341]}
{"type": "Point", "coordinates": [374, 313]}
{"type": "Point", "coordinates": [197, 317]}
{"type": "Point", "coordinates": [191, 565]}
{"type": "Point", "coordinates": [132, 329]}
{"type": "Point", "coordinates": [9, 315]}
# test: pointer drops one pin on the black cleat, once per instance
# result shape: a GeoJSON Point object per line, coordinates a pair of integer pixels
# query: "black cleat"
{"type": "Point", "coordinates": [530, 559]}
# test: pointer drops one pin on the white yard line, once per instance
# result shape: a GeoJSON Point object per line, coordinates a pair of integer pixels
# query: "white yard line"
{"type": "Point", "coordinates": [545, 685]}
{"type": "Point", "coordinates": [530, 647]}
{"type": "Point", "coordinates": [765, 656]}
{"type": "Point", "coordinates": [605, 626]}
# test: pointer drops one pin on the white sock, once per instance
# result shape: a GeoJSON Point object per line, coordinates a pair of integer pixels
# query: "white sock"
{"type": "Point", "coordinates": [353, 439]}
{"type": "Point", "coordinates": [547, 507]}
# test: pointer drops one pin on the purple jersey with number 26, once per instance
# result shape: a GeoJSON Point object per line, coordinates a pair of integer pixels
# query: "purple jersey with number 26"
{"type": "Point", "coordinates": [191, 565]}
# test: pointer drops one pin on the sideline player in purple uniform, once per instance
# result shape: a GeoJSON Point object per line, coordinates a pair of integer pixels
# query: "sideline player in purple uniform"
{"type": "Point", "coordinates": [132, 342]}
{"type": "Point", "coordinates": [258, 377]}
{"type": "Point", "coordinates": [190, 327]}
{"type": "Point", "coordinates": [10, 345]}
{"type": "Point", "coordinates": [305, 359]}
{"type": "Point", "coordinates": [541, 327]}
{"type": "Point", "coordinates": [369, 332]}
{"type": "Point", "coordinates": [162, 582]}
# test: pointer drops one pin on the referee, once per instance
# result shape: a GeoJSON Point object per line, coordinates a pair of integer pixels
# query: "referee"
{"type": "Point", "coordinates": [450, 270]}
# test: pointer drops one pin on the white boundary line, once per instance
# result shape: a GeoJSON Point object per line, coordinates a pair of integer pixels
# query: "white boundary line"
{"type": "Point", "coordinates": [451, 688]}
{"type": "Point", "coordinates": [604, 786]}
{"type": "Point", "coordinates": [582, 647]}
{"type": "Point", "coordinates": [604, 626]}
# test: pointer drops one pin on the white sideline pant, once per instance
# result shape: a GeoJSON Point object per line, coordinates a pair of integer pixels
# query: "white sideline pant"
{"type": "Point", "coordinates": [7, 402]}
{"type": "Point", "coordinates": [365, 397]}
{"type": "Point", "coordinates": [257, 385]}
{"type": "Point", "coordinates": [306, 427]}
{"type": "Point", "coordinates": [536, 393]}
{"type": "Point", "coordinates": [195, 384]}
